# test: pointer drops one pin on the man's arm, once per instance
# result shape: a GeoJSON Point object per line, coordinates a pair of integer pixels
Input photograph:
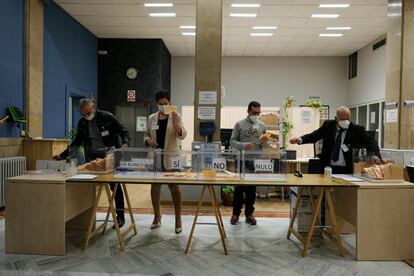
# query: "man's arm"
{"type": "Point", "coordinates": [314, 136]}
{"type": "Point", "coordinates": [235, 137]}
{"type": "Point", "coordinates": [77, 142]}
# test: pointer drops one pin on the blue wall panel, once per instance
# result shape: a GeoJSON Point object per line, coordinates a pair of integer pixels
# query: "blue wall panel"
{"type": "Point", "coordinates": [70, 67]}
{"type": "Point", "coordinates": [11, 61]}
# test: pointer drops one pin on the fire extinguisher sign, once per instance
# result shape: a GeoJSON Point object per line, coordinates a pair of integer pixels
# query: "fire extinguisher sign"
{"type": "Point", "coordinates": [131, 96]}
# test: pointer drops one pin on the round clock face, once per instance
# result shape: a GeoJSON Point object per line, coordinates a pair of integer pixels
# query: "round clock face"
{"type": "Point", "coordinates": [132, 73]}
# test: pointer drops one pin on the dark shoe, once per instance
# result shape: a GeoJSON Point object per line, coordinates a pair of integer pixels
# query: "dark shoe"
{"type": "Point", "coordinates": [121, 222]}
{"type": "Point", "coordinates": [251, 220]}
{"type": "Point", "coordinates": [234, 219]}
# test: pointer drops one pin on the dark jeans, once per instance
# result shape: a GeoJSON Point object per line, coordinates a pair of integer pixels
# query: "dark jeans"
{"type": "Point", "coordinates": [119, 196]}
{"type": "Point", "coordinates": [239, 192]}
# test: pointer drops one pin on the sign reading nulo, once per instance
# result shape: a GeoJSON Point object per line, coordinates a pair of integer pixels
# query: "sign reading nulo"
{"type": "Point", "coordinates": [263, 165]}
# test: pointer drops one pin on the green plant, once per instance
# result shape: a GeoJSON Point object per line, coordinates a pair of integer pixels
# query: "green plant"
{"type": "Point", "coordinates": [71, 135]}
{"type": "Point", "coordinates": [228, 190]}
{"type": "Point", "coordinates": [315, 104]}
{"type": "Point", "coordinates": [287, 124]}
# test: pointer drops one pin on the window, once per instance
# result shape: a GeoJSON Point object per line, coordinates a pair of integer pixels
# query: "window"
{"type": "Point", "coordinates": [352, 65]}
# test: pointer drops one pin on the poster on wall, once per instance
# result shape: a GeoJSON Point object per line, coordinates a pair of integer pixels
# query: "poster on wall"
{"type": "Point", "coordinates": [131, 96]}
{"type": "Point", "coordinates": [141, 123]}
{"type": "Point", "coordinates": [206, 113]}
{"type": "Point", "coordinates": [306, 116]}
{"type": "Point", "coordinates": [391, 115]}
{"type": "Point", "coordinates": [207, 97]}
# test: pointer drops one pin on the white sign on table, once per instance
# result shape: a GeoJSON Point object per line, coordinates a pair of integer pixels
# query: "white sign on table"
{"type": "Point", "coordinates": [206, 113]}
{"type": "Point", "coordinates": [207, 97]}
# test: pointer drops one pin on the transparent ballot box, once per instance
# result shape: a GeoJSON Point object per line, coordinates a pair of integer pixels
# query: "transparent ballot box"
{"type": "Point", "coordinates": [135, 163]}
{"type": "Point", "coordinates": [99, 165]}
{"type": "Point", "coordinates": [219, 165]}
{"type": "Point", "coordinates": [177, 165]}
{"type": "Point", "coordinates": [369, 167]}
{"type": "Point", "coordinates": [264, 165]}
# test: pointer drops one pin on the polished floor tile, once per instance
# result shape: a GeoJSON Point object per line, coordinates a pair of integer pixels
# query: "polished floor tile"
{"type": "Point", "coordinates": [253, 250]}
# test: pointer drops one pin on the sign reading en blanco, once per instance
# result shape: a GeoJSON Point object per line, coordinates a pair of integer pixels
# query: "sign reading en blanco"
{"type": "Point", "coordinates": [136, 163]}
{"type": "Point", "coordinates": [219, 164]}
{"type": "Point", "coordinates": [263, 165]}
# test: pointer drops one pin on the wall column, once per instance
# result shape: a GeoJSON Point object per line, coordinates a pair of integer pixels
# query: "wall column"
{"type": "Point", "coordinates": [399, 133]}
{"type": "Point", "coordinates": [34, 66]}
{"type": "Point", "coordinates": [208, 59]}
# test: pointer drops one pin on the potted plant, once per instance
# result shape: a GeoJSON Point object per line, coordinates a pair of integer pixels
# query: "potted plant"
{"type": "Point", "coordinates": [315, 104]}
{"type": "Point", "coordinates": [287, 124]}
{"type": "Point", "coordinates": [227, 193]}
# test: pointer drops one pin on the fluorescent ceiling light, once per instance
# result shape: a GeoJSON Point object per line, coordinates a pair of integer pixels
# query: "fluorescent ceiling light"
{"type": "Point", "coordinates": [395, 5]}
{"type": "Point", "coordinates": [325, 15]}
{"type": "Point", "coordinates": [189, 34]}
{"type": "Point", "coordinates": [154, 5]}
{"type": "Point", "coordinates": [163, 14]}
{"type": "Point", "coordinates": [261, 34]}
{"type": "Point", "coordinates": [264, 28]}
{"type": "Point", "coordinates": [338, 28]}
{"type": "Point", "coordinates": [243, 15]}
{"type": "Point", "coordinates": [245, 5]}
{"type": "Point", "coordinates": [334, 5]}
{"type": "Point", "coordinates": [187, 27]}
{"type": "Point", "coordinates": [330, 35]}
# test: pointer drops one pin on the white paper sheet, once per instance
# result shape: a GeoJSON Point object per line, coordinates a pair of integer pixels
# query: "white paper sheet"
{"type": "Point", "coordinates": [391, 115]}
{"type": "Point", "coordinates": [206, 113]}
{"type": "Point", "coordinates": [347, 177]}
{"type": "Point", "coordinates": [83, 176]}
{"type": "Point", "coordinates": [207, 97]}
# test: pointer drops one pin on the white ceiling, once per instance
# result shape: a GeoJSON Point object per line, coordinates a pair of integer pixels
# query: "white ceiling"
{"type": "Point", "coordinates": [297, 33]}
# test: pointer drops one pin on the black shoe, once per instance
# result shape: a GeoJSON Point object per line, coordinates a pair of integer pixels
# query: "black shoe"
{"type": "Point", "coordinates": [251, 220]}
{"type": "Point", "coordinates": [121, 222]}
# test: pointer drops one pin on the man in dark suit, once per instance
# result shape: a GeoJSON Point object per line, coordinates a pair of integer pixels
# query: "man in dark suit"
{"type": "Point", "coordinates": [340, 137]}
{"type": "Point", "coordinates": [97, 131]}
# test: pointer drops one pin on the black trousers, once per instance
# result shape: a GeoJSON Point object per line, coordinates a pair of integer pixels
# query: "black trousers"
{"type": "Point", "coordinates": [119, 196]}
{"type": "Point", "coordinates": [249, 195]}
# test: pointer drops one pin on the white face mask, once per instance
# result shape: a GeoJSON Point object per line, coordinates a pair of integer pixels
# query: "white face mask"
{"type": "Point", "coordinates": [161, 108]}
{"type": "Point", "coordinates": [344, 124]}
{"type": "Point", "coordinates": [254, 118]}
{"type": "Point", "coordinates": [90, 117]}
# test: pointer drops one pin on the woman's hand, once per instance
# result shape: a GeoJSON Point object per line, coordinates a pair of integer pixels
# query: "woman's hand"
{"type": "Point", "coordinates": [151, 143]}
{"type": "Point", "coordinates": [176, 124]}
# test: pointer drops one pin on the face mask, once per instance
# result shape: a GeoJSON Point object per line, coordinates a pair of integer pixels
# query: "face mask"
{"type": "Point", "coordinates": [344, 124]}
{"type": "Point", "coordinates": [90, 117]}
{"type": "Point", "coordinates": [161, 108]}
{"type": "Point", "coordinates": [254, 118]}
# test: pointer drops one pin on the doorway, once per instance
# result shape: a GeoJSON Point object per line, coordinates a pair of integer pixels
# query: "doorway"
{"type": "Point", "coordinates": [133, 118]}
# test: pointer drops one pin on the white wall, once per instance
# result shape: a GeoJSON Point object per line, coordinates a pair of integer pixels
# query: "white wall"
{"type": "Point", "coordinates": [369, 84]}
{"type": "Point", "coordinates": [268, 80]}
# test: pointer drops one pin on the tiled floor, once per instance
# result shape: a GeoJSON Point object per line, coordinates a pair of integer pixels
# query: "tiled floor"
{"type": "Point", "coordinates": [253, 250]}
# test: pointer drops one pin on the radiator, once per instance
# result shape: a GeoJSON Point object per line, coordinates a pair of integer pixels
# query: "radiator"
{"type": "Point", "coordinates": [10, 167]}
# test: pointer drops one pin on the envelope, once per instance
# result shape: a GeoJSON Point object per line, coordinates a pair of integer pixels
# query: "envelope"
{"type": "Point", "coordinates": [170, 109]}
